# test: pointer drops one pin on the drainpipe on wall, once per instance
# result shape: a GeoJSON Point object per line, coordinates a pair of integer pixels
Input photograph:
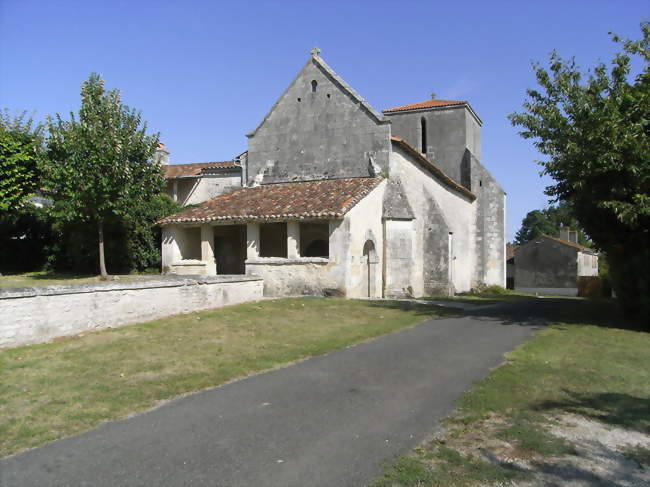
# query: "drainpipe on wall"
{"type": "Point", "coordinates": [383, 258]}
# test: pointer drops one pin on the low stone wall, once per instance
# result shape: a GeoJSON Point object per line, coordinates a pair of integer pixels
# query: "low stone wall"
{"type": "Point", "coordinates": [39, 314]}
{"type": "Point", "coordinates": [294, 277]}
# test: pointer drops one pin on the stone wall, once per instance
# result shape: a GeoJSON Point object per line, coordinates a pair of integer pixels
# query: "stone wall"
{"type": "Point", "coordinates": [40, 314]}
{"type": "Point", "coordinates": [547, 266]}
{"type": "Point", "coordinates": [442, 262]}
{"type": "Point", "coordinates": [399, 245]}
{"type": "Point", "coordinates": [190, 191]}
{"type": "Point", "coordinates": [303, 276]}
{"type": "Point", "coordinates": [587, 264]}
{"type": "Point", "coordinates": [490, 224]}
{"type": "Point", "coordinates": [362, 229]}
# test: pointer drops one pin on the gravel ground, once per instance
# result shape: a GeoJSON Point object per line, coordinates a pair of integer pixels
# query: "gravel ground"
{"type": "Point", "coordinates": [599, 461]}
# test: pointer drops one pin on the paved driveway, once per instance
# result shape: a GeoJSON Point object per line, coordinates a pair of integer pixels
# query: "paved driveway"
{"type": "Point", "coordinates": [333, 420]}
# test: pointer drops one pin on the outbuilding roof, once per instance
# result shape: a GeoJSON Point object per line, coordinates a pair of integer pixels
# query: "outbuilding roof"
{"type": "Point", "coordinates": [322, 199]}
{"type": "Point", "coordinates": [581, 248]}
{"type": "Point", "coordinates": [173, 171]}
{"type": "Point", "coordinates": [510, 250]}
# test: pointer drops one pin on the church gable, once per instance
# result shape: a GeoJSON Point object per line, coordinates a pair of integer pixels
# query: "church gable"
{"type": "Point", "coordinates": [320, 128]}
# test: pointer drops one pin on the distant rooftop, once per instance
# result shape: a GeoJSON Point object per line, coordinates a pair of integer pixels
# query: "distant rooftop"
{"type": "Point", "coordinates": [173, 171]}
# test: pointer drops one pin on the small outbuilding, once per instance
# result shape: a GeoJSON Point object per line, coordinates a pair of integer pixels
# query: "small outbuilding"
{"type": "Point", "coordinates": [551, 265]}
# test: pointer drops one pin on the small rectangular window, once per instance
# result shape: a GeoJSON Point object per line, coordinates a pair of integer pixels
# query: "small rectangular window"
{"type": "Point", "coordinates": [314, 239]}
{"type": "Point", "coordinates": [273, 240]}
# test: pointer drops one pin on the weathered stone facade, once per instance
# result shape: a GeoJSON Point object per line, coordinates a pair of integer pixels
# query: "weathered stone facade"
{"type": "Point", "coordinates": [433, 223]}
{"type": "Point", "coordinates": [319, 128]}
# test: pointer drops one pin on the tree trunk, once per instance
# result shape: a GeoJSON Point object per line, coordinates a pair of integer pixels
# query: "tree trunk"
{"type": "Point", "coordinates": [102, 263]}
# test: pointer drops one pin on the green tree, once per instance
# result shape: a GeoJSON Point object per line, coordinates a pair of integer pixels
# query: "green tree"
{"type": "Point", "coordinates": [21, 150]}
{"type": "Point", "coordinates": [548, 222]}
{"type": "Point", "coordinates": [131, 245]}
{"type": "Point", "coordinates": [595, 130]}
{"type": "Point", "coordinates": [100, 163]}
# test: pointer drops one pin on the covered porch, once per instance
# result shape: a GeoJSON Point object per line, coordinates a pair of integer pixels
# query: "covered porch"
{"type": "Point", "coordinates": [301, 238]}
{"type": "Point", "coordinates": [211, 249]}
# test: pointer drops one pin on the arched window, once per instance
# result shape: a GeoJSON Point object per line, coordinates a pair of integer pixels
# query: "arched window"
{"type": "Point", "coordinates": [423, 135]}
{"type": "Point", "coordinates": [314, 84]}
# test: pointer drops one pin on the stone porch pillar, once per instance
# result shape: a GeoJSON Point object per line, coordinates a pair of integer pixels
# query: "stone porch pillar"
{"type": "Point", "coordinates": [170, 252]}
{"type": "Point", "coordinates": [293, 240]}
{"type": "Point", "coordinates": [253, 241]}
{"type": "Point", "coordinates": [207, 250]}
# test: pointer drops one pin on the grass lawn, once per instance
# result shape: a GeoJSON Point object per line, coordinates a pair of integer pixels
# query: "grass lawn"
{"type": "Point", "coordinates": [583, 365]}
{"type": "Point", "coordinates": [71, 385]}
{"type": "Point", "coordinates": [42, 278]}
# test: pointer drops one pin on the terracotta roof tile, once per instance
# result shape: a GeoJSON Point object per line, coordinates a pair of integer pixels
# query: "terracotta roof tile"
{"type": "Point", "coordinates": [323, 199]}
{"type": "Point", "coordinates": [426, 104]}
{"type": "Point", "coordinates": [582, 248]}
{"type": "Point", "coordinates": [185, 170]}
{"type": "Point", "coordinates": [432, 168]}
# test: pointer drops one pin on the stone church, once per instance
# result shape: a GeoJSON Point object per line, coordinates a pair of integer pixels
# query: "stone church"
{"type": "Point", "coordinates": [337, 198]}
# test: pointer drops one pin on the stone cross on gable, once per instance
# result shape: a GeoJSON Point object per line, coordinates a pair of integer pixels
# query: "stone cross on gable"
{"type": "Point", "coordinates": [315, 51]}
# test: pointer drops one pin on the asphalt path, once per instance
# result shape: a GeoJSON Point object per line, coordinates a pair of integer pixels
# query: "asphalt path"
{"type": "Point", "coordinates": [333, 420]}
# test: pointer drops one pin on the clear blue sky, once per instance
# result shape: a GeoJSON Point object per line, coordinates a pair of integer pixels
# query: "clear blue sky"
{"type": "Point", "coordinates": [205, 72]}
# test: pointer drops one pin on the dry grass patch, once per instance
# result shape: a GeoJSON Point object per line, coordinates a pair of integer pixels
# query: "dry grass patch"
{"type": "Point", "coordinates": [73, 384]}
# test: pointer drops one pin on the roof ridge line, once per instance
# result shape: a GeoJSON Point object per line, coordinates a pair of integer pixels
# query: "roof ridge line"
{"type": "Point", "coordinates": [446, 180]}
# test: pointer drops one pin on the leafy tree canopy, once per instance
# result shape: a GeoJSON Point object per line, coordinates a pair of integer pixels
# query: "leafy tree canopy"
{"type": "Point", "coordinates": [548, 222]}
{"type": "Point", "coordinates": [100, 162]}
{"type": "Point", "coordinates": [21, 150]}
{"type": "Point", "coordinates": [595, 131]}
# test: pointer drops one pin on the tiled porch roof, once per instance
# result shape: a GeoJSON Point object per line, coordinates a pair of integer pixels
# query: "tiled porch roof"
{"type": "Point", "coordinates": [322, 199]}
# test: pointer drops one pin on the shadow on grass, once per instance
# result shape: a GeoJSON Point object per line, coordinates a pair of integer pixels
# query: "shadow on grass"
{"type": "Point", "coordinates": [425, 310]}
{"type": "Point", "coordinates": [56, 276]}
{"type": "Point", "coordinates": [597, 312]}
{"type": "Point", "coordinates": [506, 313]}
{"type": "Point", "coordinates": [531, 311]}
{"type": "Point", "coordinates": [612, 408]}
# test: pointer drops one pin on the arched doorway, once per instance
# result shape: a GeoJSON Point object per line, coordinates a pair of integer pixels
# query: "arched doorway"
{"type": "Point", "coordinates": [370, 260]}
